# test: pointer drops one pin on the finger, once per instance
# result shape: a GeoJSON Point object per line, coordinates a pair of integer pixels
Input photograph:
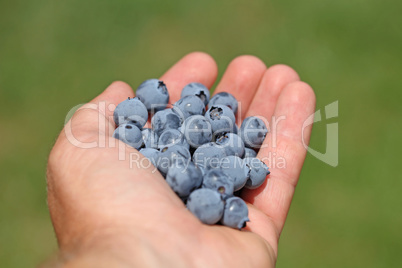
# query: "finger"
{"type": "Point", "coordinates": [194, 67]}
{"type": "Point", "coordinates": [241, 79]}
{"type": "Point", "coordinates": [272, 83]}
{"type": "Point", "coordinates": [284, 147]}
{"type": "Point", "coordinates": [96, 117]}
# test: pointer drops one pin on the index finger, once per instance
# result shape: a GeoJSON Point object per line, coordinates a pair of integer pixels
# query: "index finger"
{"type": "Point", "coordinates": [194, 67]}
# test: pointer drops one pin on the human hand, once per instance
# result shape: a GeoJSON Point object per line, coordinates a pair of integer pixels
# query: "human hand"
{"type": "Point", "coordinates": [107, 213]}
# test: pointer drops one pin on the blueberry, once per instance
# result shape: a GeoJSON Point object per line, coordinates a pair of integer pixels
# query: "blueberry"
{"type": "Point", "coordinates": [154, 94]}
{"type": "Point", "coordinates": [165, 119]}
{"type": "Point", "coordinates": [222, 119]}
{"type": "Point", "coordinates": [171, 155]}
{"type": "Point", "coordinates": [232, 143]}
{"type": "Point", "coordinates": [224, 98]}
{"type": "Point", "coordinates": [218, 180]}
{"type": "Point", "coordinates": [197, 130]}
{"type": "Point", "coordinates": [253, 132]}
{"type": "Point", "coordinates": [235, 129]}
{"type": "Point", "coordinates": [184, 178]}
{"type": "Point", "coordinates": [206, 205]}
{"type": "Point", "coordinates": [203, 170]}
{"type": "Point", "coordinates": [208, 155]}
{"type": "Point", "coordinates": [236, 169]}
{"type": "Point", "coordinates": [188, 106]}
{"type": "Point", "coordinates": [129, 134]}
{"type": "Point", "coordinates": [249, 153]}
{"type": "Point", "coordinates": [198, 90]}
{"type": "Point", "coordinates": [170, 137]}
{"type": "Point", "coordinates": [149, 138]}
{"type": "Point", "coordinates": [131, 111]}
{"type": "Point", "coordinates": [180, 145]}
{"type": "Point", "coordinates": [258, 171]}
{"type": "Point", "coordinates": [235, 214]}
{"type": "Point", "coordinates": [151, 153]}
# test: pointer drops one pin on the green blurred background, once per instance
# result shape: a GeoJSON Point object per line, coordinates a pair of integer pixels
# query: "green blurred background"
{"type": "Point", "coordinates": [56, 54]}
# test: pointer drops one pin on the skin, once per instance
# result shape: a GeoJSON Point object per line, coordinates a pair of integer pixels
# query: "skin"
{"type": "Point", "coordinates": [106, 214]}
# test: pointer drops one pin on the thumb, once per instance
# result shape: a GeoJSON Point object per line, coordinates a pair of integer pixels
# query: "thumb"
{"type": "Point", "coordinates": [96, 117]}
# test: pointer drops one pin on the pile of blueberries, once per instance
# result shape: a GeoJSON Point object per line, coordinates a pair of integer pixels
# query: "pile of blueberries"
{"type": "Point", "coordinates": [205, 158]}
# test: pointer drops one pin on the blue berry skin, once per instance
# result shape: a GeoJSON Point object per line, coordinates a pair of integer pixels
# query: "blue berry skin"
{"type": "Point", "coordinates": [236, 169]}
{"type": "Point", "coordinates": [188, 106]}
{"type": "Point", "coordinates": [131, 111]}
{"type": "Point", "coordinates": [222, 119]}
{"type": "Point", "coordinates": [208, 155]}
{"type": "Point", "coordinates": [249, 153]}
{"type": "Point", "coordinates": [232, 143]}
{"type": "Point", "coordinates": [184, 178]}
{"type": "Point", "coordinates": [235, 129]}
{"type": "Point", "coordinates": [154, 94]}
{"type": "Point", "coordinates": [196, 89]}
{"type": "Point", "coordinates": [197, 130]}
{"type": "Point", "coordinates": [170, 137]}
{"type": "Point", "coordinates": [258, 171]}
{"type": "Point", "coordinates": [149, 138]}
{"type": "Point", "coordinates": [253, 132]}
{"type": "Point", "coordinates": [151, 153]}
{"type": "Point", "coordinates": [206, 205]}
{"type": "Point", "coordinates": [171, 155]}
{"type": "Point", "coordinates": [235, 214]}
{"type": "Point", "coordinates": [218, 180]}
{"type": "Point", "coordinates": [129, 134]}
{"type": "Point", "coordinates": [165, 119]}
{"type": "Point", "coordinates": [224, 98]}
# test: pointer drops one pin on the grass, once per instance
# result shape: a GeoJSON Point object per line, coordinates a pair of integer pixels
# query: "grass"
{"type": "Point", "coordinates": [56, 55]}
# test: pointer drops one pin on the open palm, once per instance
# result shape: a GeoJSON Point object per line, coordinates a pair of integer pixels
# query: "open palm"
{"type": "Point", "coordinates": [105, 208]}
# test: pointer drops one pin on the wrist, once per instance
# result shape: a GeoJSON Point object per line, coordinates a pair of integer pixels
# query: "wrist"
{"type": "Point", "coordinates": [110, 251]}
